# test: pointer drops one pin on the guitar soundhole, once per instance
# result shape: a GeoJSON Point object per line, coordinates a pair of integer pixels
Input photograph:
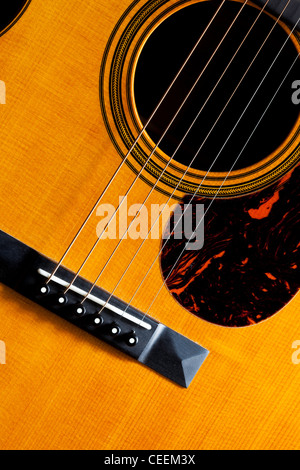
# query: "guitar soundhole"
{"type": "Point", "coordinates": [10, 10]}
{"type": "Point", "coordinates": [164, 53]}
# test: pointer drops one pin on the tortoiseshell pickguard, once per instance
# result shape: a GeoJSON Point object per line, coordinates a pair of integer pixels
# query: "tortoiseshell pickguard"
{"type": "Point", "coordinates": [248, 268]}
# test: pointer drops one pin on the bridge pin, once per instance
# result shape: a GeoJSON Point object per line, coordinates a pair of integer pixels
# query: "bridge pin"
{"type": "Point", "coordinates": [98, 320]}
{"type": "Point", "coordinates": [132, 339]}
{"type": "Point", "coordinates": [44, 289]}
{"type": "Point", "coordinates": [80, 310]}
{"type": "Point", "coordinates": [62, 299]}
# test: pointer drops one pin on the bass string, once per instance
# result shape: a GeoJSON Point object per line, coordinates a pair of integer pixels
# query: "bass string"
{"type": "Point", "coordinates": [151, 154]}
{"type": "Point", "coordinates": [124, 160]}
{"type": "Point", "coordinates": [187, 169]}
{"type": "Point", "coordinates": [231, 169]}
{"type": "Point", "coordinates": [179, 257]}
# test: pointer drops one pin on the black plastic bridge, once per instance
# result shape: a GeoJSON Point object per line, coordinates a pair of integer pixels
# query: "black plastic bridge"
{"type": "Point", "coordinates": [126, 328]}
{"type": "Point", "coordinates": [291, 13]}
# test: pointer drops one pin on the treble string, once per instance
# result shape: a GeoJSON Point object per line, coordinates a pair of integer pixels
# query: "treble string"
{"type": "Point", "coordinates": [153, 151]}
{"type": "Point", "coordinates": [201, 221]}
{"type": "Point", "coordinates": [187, 169]}
{"type": "Point", "coordinates": [124, 160]}
{"type": "Point", "coordinates": [231, 169]}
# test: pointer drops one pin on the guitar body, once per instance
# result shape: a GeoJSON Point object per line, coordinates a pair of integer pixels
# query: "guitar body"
{"type": "Point", "coordinates": [60, 387]}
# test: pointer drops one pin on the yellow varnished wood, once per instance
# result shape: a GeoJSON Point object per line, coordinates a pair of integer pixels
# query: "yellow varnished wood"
{"type": "Point", "coordinates": [61, 388]}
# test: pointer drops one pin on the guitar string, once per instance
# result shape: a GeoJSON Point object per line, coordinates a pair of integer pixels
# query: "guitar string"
{"type": "Point", "coordinates": [179, 257]}
{"type": "Point", "coordinates": [200, 185]}
{"type": "Point", "coordinates": [231, 169]}
{"type": "Point", "coordinates": [153, 151]}
{"type": "Point", "coordinates": [187, 169]}
{"type": "Point", "coordinates": [125, 158]}
{"type": "Point", "coordinates": [221, 186]}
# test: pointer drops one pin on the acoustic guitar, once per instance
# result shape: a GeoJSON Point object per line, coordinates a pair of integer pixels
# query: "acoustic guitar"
{"type": "Point", "coordinates": [149, 244]}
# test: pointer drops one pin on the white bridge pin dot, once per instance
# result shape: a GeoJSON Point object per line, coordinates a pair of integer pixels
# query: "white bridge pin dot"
{"type": "Point", "coordinates": [44, 290]}
{"type": "Point", "coordinates": [61, 300]}
{"type": "Point", "coordinates": [80, 310]}
{"type": "Point", "coordinates": [97, 321]}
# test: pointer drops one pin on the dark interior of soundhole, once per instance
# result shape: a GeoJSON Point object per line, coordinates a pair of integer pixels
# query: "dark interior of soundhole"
{"type": "Point", "coordinates": [9, 10]}
{"type": "Point", "coordinates": [166, 50]}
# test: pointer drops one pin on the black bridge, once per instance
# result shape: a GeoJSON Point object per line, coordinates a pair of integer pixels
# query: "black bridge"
{"type": "Point", "coordinates": [109, 319]}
